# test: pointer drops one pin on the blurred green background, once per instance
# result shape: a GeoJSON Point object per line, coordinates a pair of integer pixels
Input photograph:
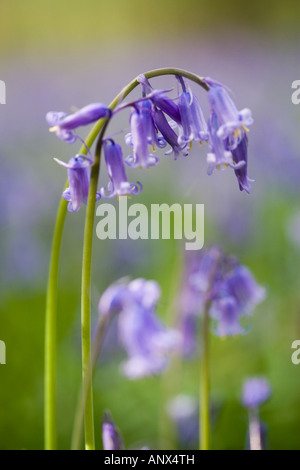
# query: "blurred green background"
{"type": "Point", "coordinates": [59, 55]}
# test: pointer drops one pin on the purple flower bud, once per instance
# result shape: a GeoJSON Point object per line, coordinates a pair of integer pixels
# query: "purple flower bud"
{"type": "Point", "coordinates": [240, 154]}
{"type": "Point", "coordinates": [139, 124]}
{"type": "Point", "coordinates": [116, 172]}
{"type": "Point", "coordinates": [79, 180]}
{"type": "Point", "coordinates": [231, 120]}
{"type": "Point", "coordinates": [111, 436]}
{"type": "Point", "coordinates": [169, 135]}
{"type": "Point", "coordinates": [193, 123]}
{"type": "Point", "coordinates": [62, 124]}
{"type": "Point", "coordinates": [255, 392]}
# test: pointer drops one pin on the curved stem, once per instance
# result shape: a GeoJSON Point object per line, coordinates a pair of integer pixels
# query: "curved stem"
{"type": "Point", "coordinates": [51, 302]}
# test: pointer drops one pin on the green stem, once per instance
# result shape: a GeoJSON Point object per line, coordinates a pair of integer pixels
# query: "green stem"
{"type": "Point", "coordinates": [205, 384]}
{"type": "Point", "coordinates": [86, 295]}
{"type": "Point", "coordinates": [51, 302]}
{"type": "Point", "coordinates": [50, 332]}
{"type": "Point", "coordinates": [79, 416]}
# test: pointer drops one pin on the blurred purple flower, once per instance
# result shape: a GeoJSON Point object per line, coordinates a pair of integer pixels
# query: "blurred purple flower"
{"type": "Point", "coordinates": [256, 391]}
{"type": "Point", "coordinates": [225, 310]}
{"type": "Point", "coordinates": [119, 184]}
{"type": "Point", "coordinates": [146, 341]}
{"type": "Point", "coordinates": [231, 289]}
{"type": "Point", "coordinates": [111, 436]}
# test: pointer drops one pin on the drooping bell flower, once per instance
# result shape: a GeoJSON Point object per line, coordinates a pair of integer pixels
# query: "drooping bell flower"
{"type": "Point", "coordinates": [240, 154]}
{"type": "Point", "coordinates": [219, 157]}
{"type": "Point", "coordinates": [232, 122]}
{"type": "Point", "coordinates": [119, 184]}
{"type": "Point", "coordinates": [194, 127]}
{"type": "Point", "coordinates": [139, 125]}
{"type": "Point", "coordinates": [63, 124]}
{"type": "Point", "coordinates": [169, 135]}
{"type": "Point", "coordinates": [241, 284]}
{"type": "Point", "coordinates": [225, 310]}
{"type": "Point", "coordinates": [79, 181]}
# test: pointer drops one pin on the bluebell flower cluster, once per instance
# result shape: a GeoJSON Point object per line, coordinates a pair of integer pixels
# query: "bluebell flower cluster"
{"type": "Point", "coordinates": [146, 341]}
{"type": "Point", "coordinates": [228, 287]}
{"type": "Point", "coordinates": [159, 122]}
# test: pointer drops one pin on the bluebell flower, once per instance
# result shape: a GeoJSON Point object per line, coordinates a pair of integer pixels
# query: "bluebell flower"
{"type": "Point", "coordinates": [140, 135]}
{"type": "Point", "coordinates": [219, 156]}
{"type": "Point", "coordinates": [169, 135]}
{"type": "Point", "coordinates": [231, 121]}
{"type": "Point", "coordinates": [241, 284]}
{"type": "Point", "coordinates": [225, 310]}
{"type": "Point", "coordinates": [240, 154]}
{"type": "Point", "coordinates": [146, 341]}
{"type": "Point", "coordinates": [111, 437]}
{"type": "Point", "coordinates": [256, 391]}
{"type": "Point", "coordinates": [119, 184]}
{"type": "Point", "coordinates": [194, 127]}
{"type": "Point", "coordinates": [63, 124]}
{"type": "Point", "coordinates": [230, 289]}
{"type": "Point", "coordinates": [79, 181]}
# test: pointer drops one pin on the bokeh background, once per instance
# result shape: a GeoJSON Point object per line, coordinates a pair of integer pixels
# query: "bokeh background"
{"type": "Point", "coordinates": [63, 54]}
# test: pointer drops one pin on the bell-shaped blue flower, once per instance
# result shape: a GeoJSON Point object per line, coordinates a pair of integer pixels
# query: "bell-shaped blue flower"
{"type": "Point", "coordinates": [119, 184]}
{"type": "Point", "coordinates": [79, 181]}
{"type": "Point", "coordinates": [219, 157]}
{"type": "Point", "coordinates": [194, 127]}
{"type": "Point", "coordinates": [141, 133]}
{"type": "Point", "coordinates": [231, 121]}
{"type": "Point", "coordinates": [240, 154]}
